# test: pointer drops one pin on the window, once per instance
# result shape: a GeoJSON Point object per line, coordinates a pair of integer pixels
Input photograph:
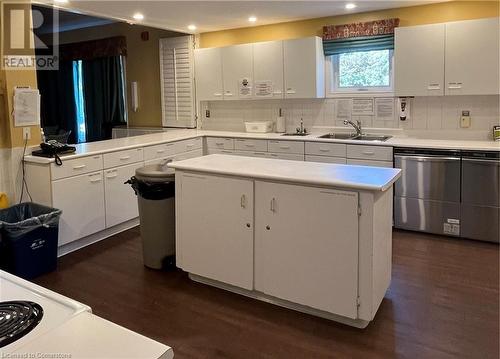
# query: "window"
{"type": "Point", "coordinates": [79, 101]}
{"type": "Point", "coordinates": [369, 71]}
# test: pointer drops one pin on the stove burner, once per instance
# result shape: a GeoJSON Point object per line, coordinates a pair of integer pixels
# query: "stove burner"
{"type": "Point", "coordinates": [18, 318]}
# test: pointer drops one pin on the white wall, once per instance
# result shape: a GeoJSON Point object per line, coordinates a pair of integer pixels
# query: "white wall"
{"type": "Point", "coordinates": [431, 117]}
{"type": "Point", "coordinates": [11, 172]}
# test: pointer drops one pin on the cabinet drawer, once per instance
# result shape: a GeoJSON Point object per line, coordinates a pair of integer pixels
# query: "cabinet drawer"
{"type": "Point", "coordinates": [326, 159]}
{"type": "Point", "coordinates": [115, 159]}
{"type": "Point", "coordinates": [76, 167]}
{"type": "Point", "coordinates": [326, 149]}
{"type": "Point", "coordinates": [250, 145]}
{"type": "Point", "coordinates": [216, 151]}
{"type": "Point", "coordinates": [220, 143]}
{"type": "Point", "coordinates": [160, 151]}
{"type": "Point", "coordinates": [285, 146]}
{"type": "Point", "coordinates": [251, 154]}
{"type": "Point", "coordinates": [378, 153]}
{"type": "Point", "coordinates": [286, 156]}
{"type": "Point", "coordinates": [370, 163]}
{"type": "Point", "coordinates": [189, 145]}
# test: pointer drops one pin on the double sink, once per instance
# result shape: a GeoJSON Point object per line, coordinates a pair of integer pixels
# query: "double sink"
{"type": "Point", "coordinates": [346, 136]}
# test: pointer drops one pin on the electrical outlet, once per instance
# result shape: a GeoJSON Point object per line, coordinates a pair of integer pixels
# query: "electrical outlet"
{"type": "Point", "coordinates": [207, 113]}
{"type": "Point", "coordinates": [26, 133]}
{"type": "Point", "coordinates": [465, 119]}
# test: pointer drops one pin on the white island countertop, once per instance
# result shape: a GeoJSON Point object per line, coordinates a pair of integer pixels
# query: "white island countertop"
{"type": "Point", "coordinates": [311, 173]}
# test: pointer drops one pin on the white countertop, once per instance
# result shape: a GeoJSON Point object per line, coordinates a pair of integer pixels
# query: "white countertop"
{"type": "Point", "coordinates": [100, 147]}
{"type": "Point", "coordinates": [311, 173]}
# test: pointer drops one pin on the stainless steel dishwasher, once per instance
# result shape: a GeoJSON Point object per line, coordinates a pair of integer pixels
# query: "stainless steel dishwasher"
{"type": "Point", "coordinates": [427, 196]}
{"type": "Point", "coordinates": [480, 212]}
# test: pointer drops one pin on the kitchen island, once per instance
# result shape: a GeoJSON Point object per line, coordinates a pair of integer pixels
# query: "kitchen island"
{"type": "Point", "coordinates": [312, 237]}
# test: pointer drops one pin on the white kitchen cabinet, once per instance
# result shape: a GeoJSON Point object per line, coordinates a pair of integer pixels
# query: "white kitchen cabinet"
{"type": "Point", "coordinates": [307, 238]}
{"type": "Point", "coordinates": [121, 201]}
{"type": "Point", "coordinates": [237, 64]}
{"type": "Point", "coordinates": [472, 57]}
{"type": "Point", "coordinates": [304, 68]}
{"type": "Point", "coordinates": [374, 163]}
{"type": "Point", "coordinates": [419, 60]}
{"type": "Point", "coordinates": [326, 159]}
{"type": "Point", "coordinates": [268, 66]}
{"type": "Point", "coordinates": [81, 199]}
{"type": "Point", "coordinates": [208, 74]}
{"type": "Point", "coordinates": [216, 243]}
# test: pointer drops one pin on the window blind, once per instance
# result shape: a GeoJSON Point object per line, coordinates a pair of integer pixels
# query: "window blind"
{"type": "Point", "coordinates": [177, 84]}
{"type": "Point", "coordinates": [355, 44]}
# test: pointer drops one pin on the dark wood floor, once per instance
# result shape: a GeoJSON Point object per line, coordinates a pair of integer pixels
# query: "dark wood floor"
{"type": "Point", "coordinates": [443, 303]}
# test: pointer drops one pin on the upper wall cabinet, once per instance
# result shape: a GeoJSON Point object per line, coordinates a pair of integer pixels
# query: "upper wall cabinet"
{"type": "Point", "coordinates": [304, 67]}
{"type": "Point", "coordinates": [237, 66]}
{"type": "Point", "coordinates": [208, 74]}
{"type": "Point", "coordinates": [472, 59]}
{"type": "Point", "coordinates": [268, 67]}
{"type": "Point", "coordinates": [419, 60]}
{"type": "Point", "coordinates": [455, 58]}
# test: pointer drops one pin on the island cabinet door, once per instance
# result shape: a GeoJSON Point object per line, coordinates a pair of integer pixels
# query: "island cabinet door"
{"type": "Point", "coordinates": [215, 228]}
{"type": "Point", "coordinates": [306, 246]}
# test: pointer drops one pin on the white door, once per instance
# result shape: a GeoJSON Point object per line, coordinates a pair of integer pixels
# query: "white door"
{"type": "Point", "coordinates": [215, 228]}
{"type": "Point", "coordinates": [306, 246]}
{"type": "Point", "coordinates": [121, 201]}
{"type": "Point", "coordinates": [419, 60]}
{"type": "Point", "coordinates": [472, 58]}
{"type": "Point", "coordinates": [208, 74]}
{"type": "Point", "coordinates": [304, 66]}
{"type": "Point", "coordinates": [268, 67]}
{"type": "Point", "coordinates": [237, 65]}
{"type": "Point", "coordinates": [81, 200]}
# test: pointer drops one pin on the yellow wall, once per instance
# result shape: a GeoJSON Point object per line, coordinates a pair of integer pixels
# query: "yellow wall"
{"type": "Point", "coordinates": [142, 64]}
{"type": "Point", "coordinates": [415, 15]}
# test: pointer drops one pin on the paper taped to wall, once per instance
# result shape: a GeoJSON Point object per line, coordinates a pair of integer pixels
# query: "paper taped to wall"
{"type": "Point", "coordinates": [344, 108]}
{"type": "Point", "coordinates": [384, 108]}
{"type": "Point", "coordinates": [362, 106]}
{"type": "Point", "coordinates": [26, 107]}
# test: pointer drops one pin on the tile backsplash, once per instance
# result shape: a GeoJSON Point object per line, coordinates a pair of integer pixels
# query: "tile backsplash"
{"type": "Point", "coordinates": [431, 117]}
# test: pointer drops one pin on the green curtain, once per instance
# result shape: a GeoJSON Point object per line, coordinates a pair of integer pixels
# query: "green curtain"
{"type": "Point", "coordinates": [355, 44]}
{"type": "Point", "coordinates": [103, 92]}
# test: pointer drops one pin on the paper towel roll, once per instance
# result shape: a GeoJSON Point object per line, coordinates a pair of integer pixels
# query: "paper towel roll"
{"type": "Point", "coordinates": [280, 124]}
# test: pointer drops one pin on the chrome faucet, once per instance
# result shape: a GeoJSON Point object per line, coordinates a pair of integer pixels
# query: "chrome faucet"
{"type": "Point", "coordinates": [301, 130]}
{"type": "Point", "coordinates": [357, 126]}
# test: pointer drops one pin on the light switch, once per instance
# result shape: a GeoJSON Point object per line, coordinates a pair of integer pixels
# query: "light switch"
{"type": "Point", "coordinates": [465, 119]}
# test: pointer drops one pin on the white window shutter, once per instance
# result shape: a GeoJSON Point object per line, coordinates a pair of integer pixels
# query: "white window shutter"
{"type": "Point", "coordinates": [177, 82]}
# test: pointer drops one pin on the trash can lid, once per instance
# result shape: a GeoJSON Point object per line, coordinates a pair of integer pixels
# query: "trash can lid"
{"type": "Point", "coordinates": [155, 173]}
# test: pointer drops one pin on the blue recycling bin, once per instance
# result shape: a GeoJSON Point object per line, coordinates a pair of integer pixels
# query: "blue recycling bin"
{"type": "Point", "coordinates": [28, 239]}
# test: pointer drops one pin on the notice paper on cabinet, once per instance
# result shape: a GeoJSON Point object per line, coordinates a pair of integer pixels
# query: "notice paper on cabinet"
{"type": "Point", "coordinates": [384, 108]}
{"type": "Point", "coordinates": [263, 88]}
{"type": "Point", "coordinates": [362, 106]}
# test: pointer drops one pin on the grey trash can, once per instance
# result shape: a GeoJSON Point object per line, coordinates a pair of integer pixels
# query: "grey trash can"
{"type": "Point", "coordinates": [154, 186]}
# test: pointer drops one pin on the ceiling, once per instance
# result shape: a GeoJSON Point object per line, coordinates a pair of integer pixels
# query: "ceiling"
{"type": "Point", "coordinates": [221, 15]}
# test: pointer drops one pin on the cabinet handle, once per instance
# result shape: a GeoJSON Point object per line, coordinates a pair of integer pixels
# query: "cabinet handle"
{"type": "Point", "coordinates": [433, 87]}
{"type": "Point", "coordinates": [273, 205]}
{"type": "Point", "coordinates": [248, 225]}
{"type": "Point", "coordinates": [217, 94]}
{"type": "Point", "coordinates": [160, 151]}
{"type": "Point", "coordinates": [369, 153]}
{"type": "Point", "coordinates": [190, 145]}
{"type": "Point", "coordinates": [79, 167]}
{"type": "Point", "coordinates": [455, 85]}
{"type": "Point", "coordinates": [95, 180]}
{"type": "Point", "coordinates": [112, 176]}
{"type": "Point", "coordinates": [243, 201]}
{"type": "Point", "coordinates": [285, 147]}
{"type": "Point", "coordinates": [124, 158]}
{"type": "Point", "coordinates": [219, 143]}
{"type": "Point", "coordinates": [268, 227]}
{"type": "Point", "coordinates": [324, 150]}
{"type": "Point", "coordinates": [249, 145]}
{"type": "Point", "coordinates": [279, 92]}
{"type": "Point", "coordinates": [228, 94]}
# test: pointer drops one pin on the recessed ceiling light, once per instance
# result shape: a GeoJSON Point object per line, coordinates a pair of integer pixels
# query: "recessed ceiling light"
{"type": "Point", "coordinates": [252, 19]}
{"type": "Point", "coordinates": [61, 1]}
{"type": "Point", "coordinates": [350, 6]}
{"type": "Point", "coordinates": [192, 27]}
{"type": "Point", "coordinates": [138, 16]}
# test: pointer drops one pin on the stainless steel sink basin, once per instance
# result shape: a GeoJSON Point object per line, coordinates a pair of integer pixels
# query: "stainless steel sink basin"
{"type": "Point", "coordinates": [376, 138]}
{"type": "Point", "coordinates": [349, 136]}
{"type": "Point", "coordinates": [339, 136]}
{"type": "Point", "coordinates": [295, 134]}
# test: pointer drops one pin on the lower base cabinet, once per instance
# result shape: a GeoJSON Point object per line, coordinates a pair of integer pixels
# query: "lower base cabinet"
{"type": "Point", "coordinates": [215, 228]}
{"type": "Point", "coordinates": [306, 246]}
{"type": "Point", "coordinates": [121, 201]}
{"type": "Point", "coordinates": [305, 238]}
{"type": "Point", "coordinates": [82, 200]}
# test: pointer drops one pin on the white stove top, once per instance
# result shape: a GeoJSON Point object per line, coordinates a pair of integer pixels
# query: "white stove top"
{"type": "Point", "coordinates": [57, 309]}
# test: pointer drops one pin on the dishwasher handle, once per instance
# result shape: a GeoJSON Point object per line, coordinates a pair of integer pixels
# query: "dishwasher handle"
{"type": "Point", "coordinates": [483, 161]}
{"type": "Point", "coordinates": [426, 158]}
